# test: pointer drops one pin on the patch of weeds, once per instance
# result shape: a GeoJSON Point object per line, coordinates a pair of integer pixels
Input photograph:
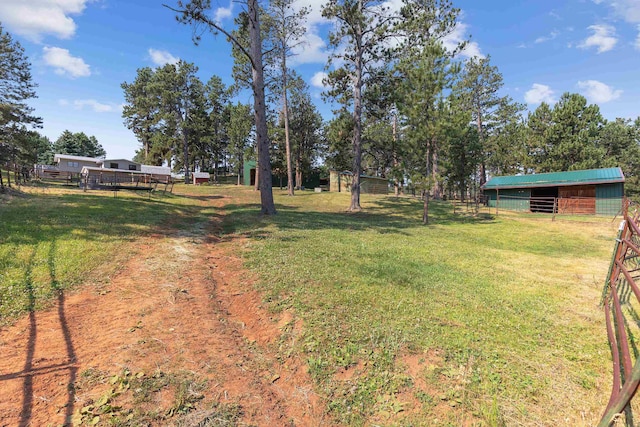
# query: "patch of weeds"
{"type": "Point", "coordinates": [188, 392]}
{"type": "Point", "coordinates": [424, 398]}
{"type": "Point", "coordinates": [144, 389]}
{"type": "Point", "coordinates": [129, 399]}
{"type": "Point", "coordinates": [219, 415]}
{"type": "Point", "coordinates": [90, 378]}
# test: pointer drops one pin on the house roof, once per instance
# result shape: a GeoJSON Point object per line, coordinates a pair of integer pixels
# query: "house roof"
{"type": "Point", "coordinates": [556, 179]}
{"type": "Point", "coordinates": [159, 170]}
{"type": "Point", "coordinates": [109, 170]}
{"type": "Point", "coordinates": [77, 158]}
{"type": "Point", "coordinates": [201, 175]}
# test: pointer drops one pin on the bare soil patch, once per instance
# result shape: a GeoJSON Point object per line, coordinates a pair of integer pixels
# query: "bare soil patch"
{"type": "Point", "coordinates": [182, 318]}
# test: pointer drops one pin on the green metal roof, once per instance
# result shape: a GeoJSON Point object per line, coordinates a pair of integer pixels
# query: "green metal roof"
{"type": "Point", "coordinates": [556, 179]}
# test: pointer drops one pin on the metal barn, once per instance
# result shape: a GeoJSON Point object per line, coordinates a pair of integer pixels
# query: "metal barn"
{"type": "Point", "coordinates": [592, 191]}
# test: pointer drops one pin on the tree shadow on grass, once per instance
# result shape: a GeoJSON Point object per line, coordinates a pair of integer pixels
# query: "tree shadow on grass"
{"type": "Point", "coordinates": [44, 217]}
{"type": "Point", "coordinates": [28, 371]}
{"type": "Point", "coordinates": [384, 216]}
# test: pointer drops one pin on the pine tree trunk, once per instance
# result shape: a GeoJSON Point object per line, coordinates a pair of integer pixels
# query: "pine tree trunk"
{"type": "Point", "coordinates": [298, 170]}
{"type": "Point", "coordinates": [483, 169]}
{"type": "Point", "coordinates": [437, 190]}
{"type": "Point", "coordinates": [357, 119]}
{"type": "Point", "coordinates": [286, 124]}
{"type": "Point", "coordinates": [263, 169]}
{"type": "Point", "coordinates": [425, 207]}
{"type": "Point", "coordinates": [396, 181]}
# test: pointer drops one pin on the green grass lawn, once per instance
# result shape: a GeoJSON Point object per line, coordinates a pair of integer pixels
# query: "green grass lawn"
{"type": "Point", "coordinates": [53, 238]}
{"type": "Point", "coordinates": [508, 306]}
{"type": "Point", "coordinates": [467, 321]}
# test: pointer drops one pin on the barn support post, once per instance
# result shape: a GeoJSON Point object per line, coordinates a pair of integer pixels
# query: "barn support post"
{"type": "Point", "coordinates": [497, 199]}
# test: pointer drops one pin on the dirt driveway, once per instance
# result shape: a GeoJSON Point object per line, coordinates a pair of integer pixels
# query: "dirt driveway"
{"type": "Point", "coordinates": [175, 336]}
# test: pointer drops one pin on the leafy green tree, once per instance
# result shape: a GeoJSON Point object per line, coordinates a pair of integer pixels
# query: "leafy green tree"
{"type": "Point", "coordinates": [362, 27]}
{"type": "Point", "coordinates": [239, 131]}
{"type": "Point", "coordinates": [78, 144]}
{"type": "Point", "coordinates": [425, 77]}
{"type": "Point", "coordinates": [620, 141]}
{"type": "Point", "coordinates": [218, 95]}
{"type": "Point", "coordinates": [426, 70]}
{"type": "Point", "coordinates": [141, 112]}
{"type": "Point", "coordinates": [462, 154]}
{"type": "Point", "coordinates": [288, 30]}
{"type": "Point", "coordinates": [573, 136]}
{"type": "Point", "coordinates": [339, 137]}
{"type": "Point", "coordinates": [506, 147]}
{"type": "Point", "coordinates": [478, 89]}
{"type": "Point", "coordinates": [16, 88]}
{"type": "Point", "coordinates": [538, 124]}
{"type": "Point", "coordinates": [181, 95]}
{"type": "Point", "coordinates": [306, 131]}
{"type": "Point", "coordinates": [195, 13]}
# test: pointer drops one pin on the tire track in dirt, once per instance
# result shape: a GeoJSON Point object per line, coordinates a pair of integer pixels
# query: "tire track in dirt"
{"type": "Point", "coordinates": [180, 302]}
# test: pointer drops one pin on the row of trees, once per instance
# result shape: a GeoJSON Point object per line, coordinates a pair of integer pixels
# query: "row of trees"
{"type": "Point", "coordinates": [195, 126]}
{"type": "Point", "coordinates": [408, 108]}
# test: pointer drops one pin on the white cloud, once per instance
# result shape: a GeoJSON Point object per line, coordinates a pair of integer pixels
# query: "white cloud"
{"type": "Point", "coordinates": [552, 35]}
{"type": "Point", "coordinates": [457, 36]}
{"type": "Point", "coordinates": [223, 13]}
{"type": "Point", "coordinates": [539, 93]}
{"type": "Point", "coordinates": [629, 10]}
{"type": "Point", "coordinates": [162, 57]}
{"type": "Point", "coordinates": [317, 79]}
{"type": "Point", "coordinates": [97, 107]}
{"type": "Point", "coordinates": [64, 63]}
{"type": "Point", "coordinates": [35, 18]}
{"type": "Point", "coordinates": [312, 48]}
{"type": "Point", "coordinates": [603, 38]}
{"type": "Point", "coordinates": [598, 92]}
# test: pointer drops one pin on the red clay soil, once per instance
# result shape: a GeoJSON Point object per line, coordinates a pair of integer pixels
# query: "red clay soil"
{"type": "Point", "coordinates": [180, 303]}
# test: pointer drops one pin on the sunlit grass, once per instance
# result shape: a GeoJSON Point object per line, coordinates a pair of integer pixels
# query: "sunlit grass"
{"type": "Point", "coordinates": [502, 311]}
{"type": "Point", "coordinates": [53, 237]}
{"type": "Point", "coordinates": [511, 302]}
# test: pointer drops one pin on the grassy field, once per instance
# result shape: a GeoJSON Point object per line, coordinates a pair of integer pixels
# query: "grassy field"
{"type": "Point", "coordinates": [467, 321]}
{"type": "Point", "coordinates": [53, 238]}
{"type": "Point", "coordinates": [501, 313]}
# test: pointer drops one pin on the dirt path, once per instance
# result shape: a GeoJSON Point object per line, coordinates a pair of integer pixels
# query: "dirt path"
{"type": "Point", "coordinates": [181, 306]}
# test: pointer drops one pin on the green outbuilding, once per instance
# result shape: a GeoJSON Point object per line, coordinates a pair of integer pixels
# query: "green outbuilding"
{"type": "Point", "coordinates": [591, 191]}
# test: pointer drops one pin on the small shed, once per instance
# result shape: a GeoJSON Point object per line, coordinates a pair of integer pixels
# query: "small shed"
{"type": "Point", "coordinates": [591, 191]}
{"type": "Point", "coordinates": [200, 177]}
{"type": "Point", "coordinates": [341, 182]}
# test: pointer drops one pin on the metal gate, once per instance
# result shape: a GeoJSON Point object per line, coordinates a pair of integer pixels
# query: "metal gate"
{"type": "Point", "coordinates": [620, 311]}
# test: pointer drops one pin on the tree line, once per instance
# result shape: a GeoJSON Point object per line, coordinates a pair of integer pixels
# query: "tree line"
{"type": "Point", "coordinates": [192, 126]}
{"type": "Point", "coordinates": [408, 107]}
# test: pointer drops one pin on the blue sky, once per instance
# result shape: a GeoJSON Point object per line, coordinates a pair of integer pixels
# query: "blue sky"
{"type": "Point", "coordinates": [82, 50]}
